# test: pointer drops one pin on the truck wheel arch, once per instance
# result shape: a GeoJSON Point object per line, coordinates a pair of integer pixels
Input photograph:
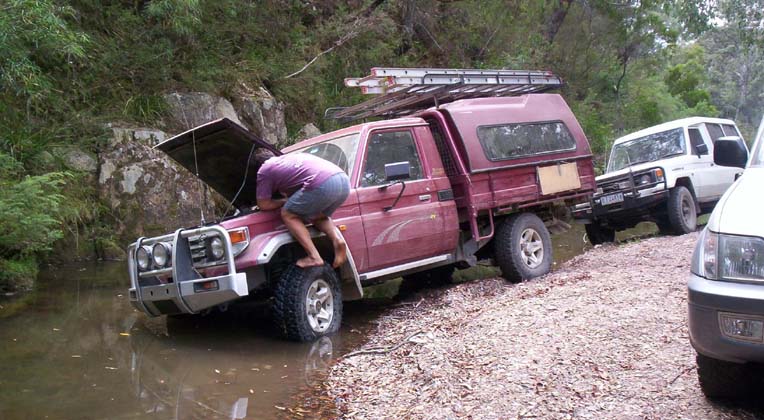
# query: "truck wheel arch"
{"type": "Point", "coordinates": [283, 243]}
{"type": "Point", "coordinates": [687, 183]}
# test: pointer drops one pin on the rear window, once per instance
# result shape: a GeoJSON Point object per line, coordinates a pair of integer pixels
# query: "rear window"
{"type": "Point", "coordinates": [715, 131]}
{"type": "Point", "coordinates": [729, 130]}
{"type": "Point", "coordinates": [510, 141]}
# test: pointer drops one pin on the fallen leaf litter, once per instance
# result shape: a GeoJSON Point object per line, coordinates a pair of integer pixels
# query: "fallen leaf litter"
{"type": "Point", "coordinates": [604, 336]}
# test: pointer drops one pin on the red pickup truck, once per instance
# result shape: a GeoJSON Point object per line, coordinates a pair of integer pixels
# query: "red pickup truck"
{"type": "Point", "coordinates": [465, 181]}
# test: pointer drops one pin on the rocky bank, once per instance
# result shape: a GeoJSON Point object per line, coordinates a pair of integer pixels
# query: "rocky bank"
{"type": "Point", "coordinates": [143, 192]}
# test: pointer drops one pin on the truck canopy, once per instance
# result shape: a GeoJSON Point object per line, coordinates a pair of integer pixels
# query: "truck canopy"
{"type": "Point", "coordinates": [516, 130]}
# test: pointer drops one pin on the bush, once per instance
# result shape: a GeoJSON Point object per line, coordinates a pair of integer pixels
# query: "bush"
{"type": "Point", "coordinates": [17, 274]}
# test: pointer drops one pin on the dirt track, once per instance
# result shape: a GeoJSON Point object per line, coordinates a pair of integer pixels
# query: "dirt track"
{"type": "Point", "coordinates": [604, 336]}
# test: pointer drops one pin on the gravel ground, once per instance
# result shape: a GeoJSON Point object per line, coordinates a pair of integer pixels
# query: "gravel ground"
{"type": "Point", "coordinates": [604, 336]}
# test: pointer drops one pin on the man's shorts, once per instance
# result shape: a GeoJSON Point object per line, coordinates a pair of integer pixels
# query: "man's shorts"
{"type": "Point", "coordinates": [324, 199]}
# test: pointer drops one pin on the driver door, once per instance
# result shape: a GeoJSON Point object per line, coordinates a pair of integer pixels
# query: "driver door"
{"type": "Point", "coordinates": [411, 230]}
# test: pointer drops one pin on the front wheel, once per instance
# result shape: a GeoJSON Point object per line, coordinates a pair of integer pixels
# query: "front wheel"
{"type": "Point", "coordinates": [720, 379]}
{"type": "Point", "coordinates": [308, 302]}
{"type": "Point", "coordinates": [682, 214]}
{"type": "Point", "coordinates": [523, 247]}
{"type": "Point", "coordinates": [598, 234]}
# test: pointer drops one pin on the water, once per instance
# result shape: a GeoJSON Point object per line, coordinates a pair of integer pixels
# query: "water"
{"type": "Point", "coordinates": [75, 348]}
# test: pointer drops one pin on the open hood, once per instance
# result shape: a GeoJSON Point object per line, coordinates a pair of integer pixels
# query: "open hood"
{"type": "Point", "coordinates": [222, 149]}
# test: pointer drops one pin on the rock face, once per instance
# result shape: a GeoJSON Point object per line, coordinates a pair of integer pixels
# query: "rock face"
{"type": "Point", "coordinates": [309, 130]}
{"type": "Point", "coordinates": [188, 110]}
{"type": "Point", "coordinates": [147, 193]}
{"type": "Point", "coordinates": [262, 114]}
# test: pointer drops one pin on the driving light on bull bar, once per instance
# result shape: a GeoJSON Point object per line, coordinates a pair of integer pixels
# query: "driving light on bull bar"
{"type": "Point", "coordinates": [161, 254]}
{"type": "Point", "coordinates": [741, 327]}
{"type": "Point", "coordinates": [143, 258]}
{"type": "Point", "coordinates": [217, 247]}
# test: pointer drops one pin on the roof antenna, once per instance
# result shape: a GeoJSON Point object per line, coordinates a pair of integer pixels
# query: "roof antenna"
{"type": "Point", "coordinates": [202, 192]}
{"type": "Point", "coordinates": [202, 186]}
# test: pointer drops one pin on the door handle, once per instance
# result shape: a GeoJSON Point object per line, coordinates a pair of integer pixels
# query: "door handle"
{"type": "Point", "coordinates": [424, 197]}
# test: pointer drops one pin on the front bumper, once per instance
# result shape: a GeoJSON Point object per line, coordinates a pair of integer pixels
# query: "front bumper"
{"type": "Point", "coordinates": [178, 295]}
{"type": "Point", "coordinates": [706, 300]}
{"type": "Point", "coordinates": [634, 205]}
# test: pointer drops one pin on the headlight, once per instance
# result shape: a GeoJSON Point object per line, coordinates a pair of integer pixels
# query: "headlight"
{"type": "Point", "coordinates": [143, 258]}
{"type": "Point", "coordinates": [217, 248]}
{"type": "Point", "coordinates": [644, 179]}
{"type": "Point", "coordinates": [162, 254]}
{"type": "Point", "coordinates": [729, 257]}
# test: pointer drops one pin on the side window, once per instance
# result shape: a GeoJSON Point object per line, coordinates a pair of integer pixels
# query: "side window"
{"type": "Point", "coordinates": [509, 141]}
{"type": "Point", "coordinates": [729, 130]}
{"type": "Point", "coordinates": [389, 147]}
{"type": "Point", "coordinates": [696, 139]}
{"type": "Point", "coordinates": [715, 131]}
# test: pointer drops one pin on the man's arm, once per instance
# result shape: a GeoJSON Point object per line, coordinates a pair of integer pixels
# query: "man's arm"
{"type": "Point", "coordinates": [270, 204]}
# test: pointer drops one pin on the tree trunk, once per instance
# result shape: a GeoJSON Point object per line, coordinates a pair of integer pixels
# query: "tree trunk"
{"type": "Point", "coordinates": [556, 19]}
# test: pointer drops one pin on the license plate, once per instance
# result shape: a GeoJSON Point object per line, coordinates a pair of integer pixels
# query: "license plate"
{"type": "Point", "coordinates": [611, 199]}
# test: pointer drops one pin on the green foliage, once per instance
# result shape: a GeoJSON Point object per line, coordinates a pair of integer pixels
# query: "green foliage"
{"type": "Point", "coordinates": [17, 273]}
{"type": "Point", "coordinates": [35, 39]}
{"type": "Point", "coordinates": [30, 210]}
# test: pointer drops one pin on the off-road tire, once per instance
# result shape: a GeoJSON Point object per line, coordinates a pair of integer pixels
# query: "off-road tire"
{"type": "Point", "coordinates": [290, 308]}
{"type": "Point", "coordinates": [664, 226]}
{"type": "Point", "coordinates": [509, 251]}
{"type": "Point", "coordinates": [682, 213]}
{"type": "Point", "coordinates": [432, 278]}
{"type": "Point", "coordinates": [598, 234]}
{"type": "Point", "coordinates": [720, 379]}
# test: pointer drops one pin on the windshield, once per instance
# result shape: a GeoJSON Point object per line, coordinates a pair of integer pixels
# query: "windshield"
{"type": "Point", "coordinates": [646, 149]}
{"type": "Point", "coordinates": [340, 151]}
{"type": "Point", "coordinates": [758, 147]}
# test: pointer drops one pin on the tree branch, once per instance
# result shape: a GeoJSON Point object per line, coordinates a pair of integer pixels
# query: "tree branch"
{"type": "Point", "coordinates": [352, 33]}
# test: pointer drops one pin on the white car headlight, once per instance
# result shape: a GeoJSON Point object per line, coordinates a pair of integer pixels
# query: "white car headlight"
{"type": "Point", "coordinates": [729, 257]}
{"type": "Point", "coordinates": [161, 254]}
{"type": "Point", "coordinates": [143, 258]}
{"type": "Point", "coordinates": [217, 248]}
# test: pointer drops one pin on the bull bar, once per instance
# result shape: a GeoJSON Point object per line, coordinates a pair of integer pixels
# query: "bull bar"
{"type": "Point", "coordinates": [180, 296]}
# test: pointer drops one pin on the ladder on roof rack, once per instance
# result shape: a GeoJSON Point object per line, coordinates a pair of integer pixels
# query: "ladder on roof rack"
{"type": "Point", "coordinates": [406, 90]}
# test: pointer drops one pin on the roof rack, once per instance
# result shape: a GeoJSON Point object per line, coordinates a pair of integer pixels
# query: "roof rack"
{"type": "Point", "coordinates": [406, 90]}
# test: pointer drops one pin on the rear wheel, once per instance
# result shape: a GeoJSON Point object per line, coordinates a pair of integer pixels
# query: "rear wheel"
{"type": "Point", "coordinates": [720, 379]}
{"type": "Point", "coordinates": [308, 302]}
{"type": "Point", "coordinates": [523, 247]}
{"type": "Point", "coordinates": [682, 213]}
{"type": "Point", "coordinates": [598, 234]}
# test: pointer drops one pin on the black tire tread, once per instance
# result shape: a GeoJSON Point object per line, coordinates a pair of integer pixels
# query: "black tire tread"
{"type": "Point", "coordinates": [599, 235]}
{"type": "Point", "coordinates": [674, 208]}
{"type": "Point", "coordinates": [720, 379]}
{"type": "Point", "coordinates": [289, 302]}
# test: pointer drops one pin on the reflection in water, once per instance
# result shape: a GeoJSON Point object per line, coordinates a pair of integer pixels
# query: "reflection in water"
{"type": "Point", "coordinates": [79, 350]}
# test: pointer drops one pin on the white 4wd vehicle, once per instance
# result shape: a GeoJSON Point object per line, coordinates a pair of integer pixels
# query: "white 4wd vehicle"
{"type": "Point", "coordinates": [664, 174]}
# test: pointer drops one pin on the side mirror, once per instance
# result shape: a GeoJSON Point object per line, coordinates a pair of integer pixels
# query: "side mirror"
{"type": "Point", "coordinates": [397, 170]}
{"type": "Point", "coordinates": [701, 149]}
{"type": "Point", "coordinates": [730, 151]}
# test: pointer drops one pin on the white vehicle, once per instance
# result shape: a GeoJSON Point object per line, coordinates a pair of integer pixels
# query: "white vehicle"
{"type": "Point", "coordinates": [726, 287]}
{"type": "Point", "coordinates": [664, 174]}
